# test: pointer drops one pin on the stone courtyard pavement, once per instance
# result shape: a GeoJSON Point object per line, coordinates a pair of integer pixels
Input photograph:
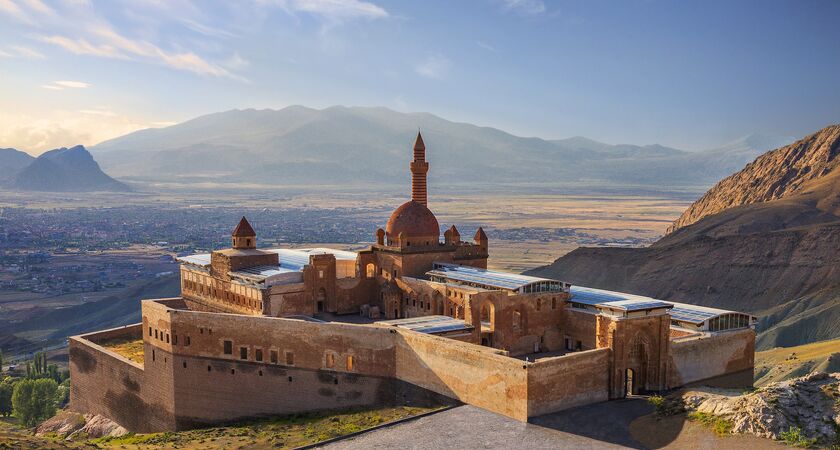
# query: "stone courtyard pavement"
{"type": "Point", "coordinates": [602, 426]}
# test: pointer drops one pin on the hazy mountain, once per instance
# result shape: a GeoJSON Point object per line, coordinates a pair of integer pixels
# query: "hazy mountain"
{"type": "Point", "coordinates": [764, 240]}
{"type": "Point", "coordinates": [65, 170]}
{"type": "Point", "coordinates": [11, 162]}
{"type": "Point", "coordinates": [341, 145]}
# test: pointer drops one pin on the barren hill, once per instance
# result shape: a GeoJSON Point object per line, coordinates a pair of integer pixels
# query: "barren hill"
{"type": "Point", "coordinates": [765, 245]}
{"type": "Point", "coordinates": [777, 174]}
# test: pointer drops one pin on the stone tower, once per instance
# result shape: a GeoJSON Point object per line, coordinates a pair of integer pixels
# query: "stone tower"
{"type": "Point", "coordinates": [244, 237]}
{"type": "Point", "coordinates": [419, 168]}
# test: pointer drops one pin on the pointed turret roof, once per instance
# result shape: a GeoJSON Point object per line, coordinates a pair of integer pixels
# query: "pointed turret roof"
{"type": "Point", "coordinates": [454, 230]}
{"type": "Point", "coordinates": [479, 235]}
{"type": "Point", "coordinates": [418, 143]}
{"type": "Point", "coordinates": [244, 229]}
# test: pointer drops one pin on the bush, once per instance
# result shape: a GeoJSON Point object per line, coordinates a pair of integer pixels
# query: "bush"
{"type": "Point", "coordinates": [793, 437]}
{"type": "Point", "coordinates": [666, 406]}
{"type": "Point", "coordinates": [721, 426]}
{"type": "Point", "coordinates": [34, 400]}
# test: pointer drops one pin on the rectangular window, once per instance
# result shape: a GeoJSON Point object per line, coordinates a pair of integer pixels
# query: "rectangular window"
{"type": "Point", "coordinates": [156, 334]}
{"type": "Point", "coordinates": [258, 354]}
{"type": "Point", "coordinates": [174, 339]}
{"type": "Point", "coordinates": [150, 331]}
{"type": "Point", "coordinates": [330, 361]}
{"type": "Point", "coordinates": [349, 363]}
{"type": "Point", "coordinates": [273, 354]}
{"type": "Point", "coordinates": [228, 347]}
{"type": "Point", "coordinates": [243, 352]}
{"type": "Point", "coordinates": [320, 274]}
{"type": "Point", "coordinates": [290, 359]}
{"type": "Point", "coordinates": [187, 342]}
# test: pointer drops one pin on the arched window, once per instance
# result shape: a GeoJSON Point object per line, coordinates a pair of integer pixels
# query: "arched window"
{"type": "Point", "coordinates": [370, 270]}
{"type": "Point", "coordinates": [517, 321]}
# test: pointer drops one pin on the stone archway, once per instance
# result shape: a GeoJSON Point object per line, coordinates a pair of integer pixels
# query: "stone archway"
{"type": "Point", "coordinates": [637, 364]}
{"type": "Point", "coordinates": [321, 300]}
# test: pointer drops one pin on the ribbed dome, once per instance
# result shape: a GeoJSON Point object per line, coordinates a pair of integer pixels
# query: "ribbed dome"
{"type": "Point", "coordinates": [414, 220]}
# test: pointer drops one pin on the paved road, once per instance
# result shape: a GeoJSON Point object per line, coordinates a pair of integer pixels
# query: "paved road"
{"type": "Point", "coordinates": [604, 425]}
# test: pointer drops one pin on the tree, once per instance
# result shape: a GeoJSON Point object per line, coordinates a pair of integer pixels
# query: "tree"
{"type": "Point", "coordinates": [1, 361]}
{"type": "Point", "coordinates": [34, 400]}
{"type": "Point", "coordinates": [6, 389]}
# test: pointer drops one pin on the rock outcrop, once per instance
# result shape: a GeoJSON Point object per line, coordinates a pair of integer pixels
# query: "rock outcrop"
{"type": "Point", "coordinates": [69, 425]}
{"type": "Point", "coordinates": [810, 404]}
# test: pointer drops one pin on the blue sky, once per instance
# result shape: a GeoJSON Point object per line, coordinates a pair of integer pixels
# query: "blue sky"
{"type": "Point", "coordinates": [687, 74]}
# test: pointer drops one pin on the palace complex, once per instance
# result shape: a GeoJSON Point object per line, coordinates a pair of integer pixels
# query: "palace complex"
{"type": "Point", "coordinates": [411, 319]}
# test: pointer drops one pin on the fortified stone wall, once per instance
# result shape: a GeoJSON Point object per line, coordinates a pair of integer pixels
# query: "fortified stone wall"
{"type": "Point", "coordinates": [103, 382]}
{"type": "Point", "coordinates": [581, 326]}
{"type": "Point", "coordinates": [567, 381]}
{"type": "Point", "coordinates": [480, 376]}
{"type": "Point", "coordinates": [724, 359]}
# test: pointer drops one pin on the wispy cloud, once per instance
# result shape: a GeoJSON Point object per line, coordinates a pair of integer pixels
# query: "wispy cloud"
{"type": "Point", "coordinates": [485, 46]}
{"type": "Point", "coordinates": [334, 10]}
{"type": "Point", "coordinates": [61, 84]}
{"type": "Point", "coordinates": [11, 9]}
{"type": "Point", "coordinates": [72, 84]}
{"type": "Point", "coordinates": [524, 7]}
{"type": "Point", "coordinates": [19, 51]}
{"type": "Point", "coordinates": [434, 66]}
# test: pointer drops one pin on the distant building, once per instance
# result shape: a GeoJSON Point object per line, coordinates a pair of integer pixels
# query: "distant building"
{"type": "Point", "coordinates": [410, 319]}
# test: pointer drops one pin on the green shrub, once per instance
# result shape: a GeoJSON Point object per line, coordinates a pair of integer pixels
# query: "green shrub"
{"type": "Point", "coordinates": [721, 426]}
{"type": "Point", "coordinates": [794, 437]}
{"type": "Point", "coordinates": [666, 406]}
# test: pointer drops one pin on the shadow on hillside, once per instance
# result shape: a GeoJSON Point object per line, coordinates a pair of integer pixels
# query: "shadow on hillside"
{"type": "Point", "coordinates": [610, 422]}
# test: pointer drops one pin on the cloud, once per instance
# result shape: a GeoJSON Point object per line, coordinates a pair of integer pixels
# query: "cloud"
{"type": "Point", "coordinates": [72, 84]}
{"type": "Point", "coordinates": [236, 62]}
{"type": "Point", "coordinates": [63, 128]}
{"type": "Point", "coordinates": [52, 87]}
{"type": "Point", "coordinates": [485, 46]}
{"type": "Point", "coordinates": [27, 52]}
{"type": "Point", "coordinates": [524, 7]}
{"type": "Point", "coordinates": [110, 44]}
{"type": "Point", "coordinates": [14, 11]}
{"type": "Point", "coordinates": [434, 66]}
{"type": "Point", "coordinates": [334, 10]}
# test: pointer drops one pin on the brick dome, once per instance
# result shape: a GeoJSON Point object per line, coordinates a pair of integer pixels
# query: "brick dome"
{"type": "Point", "coordinates": [413, 220]}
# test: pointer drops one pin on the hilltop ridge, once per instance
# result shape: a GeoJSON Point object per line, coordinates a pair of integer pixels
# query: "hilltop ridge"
{"type": "Point", "coordinates": [774, 175]}
{"type": "Point", "coordinates": [763, 241]}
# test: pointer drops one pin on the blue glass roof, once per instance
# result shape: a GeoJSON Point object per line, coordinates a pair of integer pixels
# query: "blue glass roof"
{"type": "Point", "coordinates": [429, 324]}
{"type": "Point", "coordinates": [680, 311]}
{"type": "Point", "coordinates": [484, 277]}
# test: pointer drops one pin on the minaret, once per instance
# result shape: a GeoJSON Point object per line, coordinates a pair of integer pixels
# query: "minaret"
{"type": "Point", "coordinates": [419, 168]}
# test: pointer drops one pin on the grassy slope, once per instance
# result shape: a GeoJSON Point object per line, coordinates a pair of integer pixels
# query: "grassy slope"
{"type": "Point", "coordinates": [281, 432]}
{"type": "Point", "coordinates": [790, 362]}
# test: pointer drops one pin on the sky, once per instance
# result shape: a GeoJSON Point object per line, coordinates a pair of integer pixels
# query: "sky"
{"type": "Point", "coordinates": [686, 74]}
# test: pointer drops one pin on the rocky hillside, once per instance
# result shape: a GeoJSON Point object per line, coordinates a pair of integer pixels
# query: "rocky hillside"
{"type": "Point", "coordinates": [774, 175]}
{"type": "Point", "coordinates": [776, 258]}
{"type": "Point", "coordinates": [802, 412]}
{"type": "Point", "coordinates": [65, 170]}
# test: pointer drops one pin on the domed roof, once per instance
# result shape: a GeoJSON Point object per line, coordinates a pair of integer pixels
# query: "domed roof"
{"type": "Point", "coordinates": [412, 219]}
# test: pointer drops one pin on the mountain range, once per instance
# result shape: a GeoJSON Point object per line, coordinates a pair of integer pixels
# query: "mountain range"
{"type": "Point", "coordinates": [60, 170]}
{"type": "Point", "coordinates": [764, 240]}
{"type": "Point", "coordinates": [361, 145]}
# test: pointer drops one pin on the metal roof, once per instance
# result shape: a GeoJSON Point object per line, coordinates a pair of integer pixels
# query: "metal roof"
{"type": "Point", "coordinates": [683, 312]}
{"type": "Point", "coordinates": [429, 324]}
{"type": "Point", "coordinates": [261, 272]}
{"type": "Point", "coordinates": [201, 259]}
{"type": "Point", "coordinates": [484, 277]}
{"type": "Point", "coordinates": [291, 260]}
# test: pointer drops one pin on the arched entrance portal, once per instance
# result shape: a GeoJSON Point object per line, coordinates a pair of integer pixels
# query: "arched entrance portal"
{"type": "Point", "coordinates": [629, 385]}
{"type": "Point", "coordinates": [487, 323]}
{"type": "Point", "coordinates": [320, 300]}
